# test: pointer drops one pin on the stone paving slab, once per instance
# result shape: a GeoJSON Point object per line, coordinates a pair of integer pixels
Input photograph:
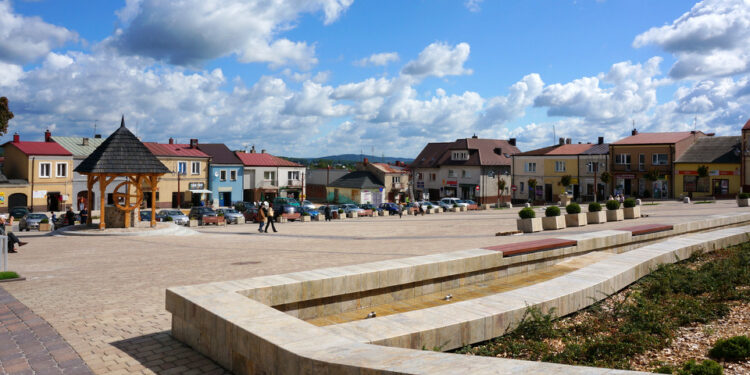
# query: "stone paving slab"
{"type": "Point", "coordinates": [29, 345]}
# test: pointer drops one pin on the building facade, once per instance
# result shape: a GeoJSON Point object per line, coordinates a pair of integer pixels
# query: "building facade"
{"type": "Point", "coordinates": [468, 168]}
{"type": "Point", "coordinates": [225, 174]}
{"type": "Point", "coordinates": [47, 168]}
{"type": "Point", "coordinates": [710, 168]}
{"type": "Point", "coordinates": [187, 184]}
{"type": "Point", "coordinates": [317, 180]}
{"type": "Point", "coordinates": [267, 177]}
{"type": "Point", "coordinates": [394, 178]}
{"type": "Point", "coordinates": [358, 187]}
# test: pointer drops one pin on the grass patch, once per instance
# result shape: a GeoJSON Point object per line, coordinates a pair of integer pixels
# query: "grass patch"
{"type": "Point", "coordinates": [650, 204]}
{"type": "Point", "coordinates": [643, 317]}
{"type": "Point", "coordinates": [704, 202]}
{"type": "Point", "coordinates": [8, 275]}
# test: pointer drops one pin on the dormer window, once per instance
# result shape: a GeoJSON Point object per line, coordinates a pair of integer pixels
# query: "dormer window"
{"type": "Point", "coordinates": [460, 155]}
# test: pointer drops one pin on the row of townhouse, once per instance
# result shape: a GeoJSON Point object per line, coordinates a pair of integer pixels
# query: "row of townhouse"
{"type": "Point", "coordinates": [40, 175]}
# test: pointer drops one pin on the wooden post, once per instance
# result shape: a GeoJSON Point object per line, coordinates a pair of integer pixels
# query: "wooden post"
{"type": "Point", "coordinates": [127, 204]}
{"type": "Point", "coordinates": [153, 181]}
{"type": "Point", "coordinates": [89, 185]}
{"type": "Point", "coordinates": [102, 200]}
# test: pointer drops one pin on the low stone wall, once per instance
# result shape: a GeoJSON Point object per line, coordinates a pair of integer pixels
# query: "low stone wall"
{"type": "Point", "coordinates": [232, 322]}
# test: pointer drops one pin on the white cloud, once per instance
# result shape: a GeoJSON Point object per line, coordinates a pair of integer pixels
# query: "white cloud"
{"type": "Point", "coordinates": [26, 39]}
{"type": "Point", "coordinates": [314, 100]}
{"type": "Point", "coordinates": [439, 60]}
{"type": "Point", "coordinates": [502, 109]}
{"type": "Point", "coordinates": [473, 5]}
{"type": "Point", "coordinates": [710, 40]}
{"type": "Point", "coordinates": [378, 59]}
{"type": "Point", "coordinates": [191, 32]}
{"type": "Point", "coordinates": [11, 74]}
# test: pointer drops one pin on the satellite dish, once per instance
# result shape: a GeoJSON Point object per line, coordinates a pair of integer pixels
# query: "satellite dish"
{"type": "Point", "coordinates": [216, 174]}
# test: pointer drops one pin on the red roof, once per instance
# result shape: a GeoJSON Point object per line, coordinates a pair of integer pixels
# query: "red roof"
{"type": "Point", "coordinates": [747, 125]}
{"type": "Point", "coordinates": [654, 138]}
{"type": "Point", "coordinates": [255, 159]}
{"type": "Point", "coordinates": [387, 168]}
{"type": "Point", "coordinates": [570, 149]}
{"type": "Point", "coordinates": [40, 148]}
{"type": "Point", "coordinates": [165, 149]}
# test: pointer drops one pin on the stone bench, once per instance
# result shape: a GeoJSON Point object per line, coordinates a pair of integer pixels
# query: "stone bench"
{"type": "Point", "coordinates": [647, 228]}
{"type": "Point", "coordinates": [532, 246]}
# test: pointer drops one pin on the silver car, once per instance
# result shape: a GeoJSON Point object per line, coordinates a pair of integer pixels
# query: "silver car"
{"type": "Point", "coordinates": [31, 221]}
{"type": "Point", "coordinates": [231, 216]}
{"type": "Point", "coordinates": [177, 216]}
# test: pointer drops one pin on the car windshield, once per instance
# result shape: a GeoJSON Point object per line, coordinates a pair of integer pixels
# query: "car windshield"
{"type": "Point", "coordinates": [230, 211]}
{"type": "Point", "coordinates": [173, 213]}
{"type": "Point", "coordinates": [37, 216]}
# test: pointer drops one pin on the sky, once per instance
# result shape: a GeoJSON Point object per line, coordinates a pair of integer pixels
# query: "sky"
{"type": "Point", "coordinates": [308, 78]}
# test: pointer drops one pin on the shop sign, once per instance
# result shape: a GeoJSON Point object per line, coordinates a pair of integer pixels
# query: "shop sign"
{"type": "Point", "coordinates": [452, 182]}
{"type": "Point", "coordinates": [692, 173]}
{"type": "Point", "coordinates": [2, 197]}
{"type": "Point", "coordinates": [196, 185]}
{"type": "Point", "coordinates": [39, 194]}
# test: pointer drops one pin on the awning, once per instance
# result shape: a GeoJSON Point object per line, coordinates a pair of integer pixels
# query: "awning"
{"type": "Point", "coordinates": [201, 191]}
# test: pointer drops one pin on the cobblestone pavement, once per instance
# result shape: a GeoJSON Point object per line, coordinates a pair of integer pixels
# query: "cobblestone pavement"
{"type": "Point", "coordinates": [29, 345]}
{"type": "Point", "coordinates": [105, 296]}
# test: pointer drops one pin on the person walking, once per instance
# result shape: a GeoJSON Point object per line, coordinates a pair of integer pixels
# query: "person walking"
{"type": "Point", "coordinates": [261, 218]}
{"type": "Point", "coordinates": [400, 211]}
{"type": "Point", "coordinates": [327, 212]}
{"type": "Point", "coordinates": [84, 216]}
{"type": "Point", "coordinates": [269, 217]}
{"type": "Point", "coordinates": [70, 217]}
{"type": "Point", "coordinates": [420, 207]}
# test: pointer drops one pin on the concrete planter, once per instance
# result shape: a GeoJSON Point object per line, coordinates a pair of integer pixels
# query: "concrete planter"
{"type": "Point", "coordinates": [44, 227]}
{"type": "Point", "coordinates": [193, 223]}
{"type": "Point", "coordinates": [553, 222]}
{"type": "Point", "coordinates": [529, 225]}
{"type": "Point", "coordinates": [455, 209]}
{"type": "Point", "coordinates": [565, 199]}
{"type": "Point", "coordinates": [575, 220]}
{"type": "Point", "coordinates": [743, 202]}
{"type": "Point", "coordinates": [340, 216]}
{"type": "Point", "coordinates": [304, 219]}
{"type": "Point", "coordinates": [385, 213]}
{"type": "Point", "coordinates": [352, 215]}
{"type": "Point", "coordinates": [599, 217]}
{"type": "Point", "coordinates": [633, 212]}
{"type": "Point", "coordinates": [615, 215]}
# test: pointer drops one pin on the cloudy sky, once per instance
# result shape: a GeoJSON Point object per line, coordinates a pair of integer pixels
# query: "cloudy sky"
{"type": "Point", "coordinates": [319, 77]}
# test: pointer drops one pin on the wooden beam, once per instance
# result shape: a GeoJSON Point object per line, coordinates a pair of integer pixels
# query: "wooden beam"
{"type": "Point", "coordinates": [153, 181]}
{"type": "Point", "coordinates": [127, 204]}
{"type": "Point", "coordinates": [102, 201]}
{"type": "Point", "coordinates": [89, 186]}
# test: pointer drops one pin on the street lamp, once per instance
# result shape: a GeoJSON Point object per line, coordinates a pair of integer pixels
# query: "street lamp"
{"type": "Point", "coordinates": [595, 167]}
{"type": "Point", "coordinates": [179, 173]}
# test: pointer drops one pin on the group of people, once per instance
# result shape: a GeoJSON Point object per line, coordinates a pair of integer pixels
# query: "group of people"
{"type": "Point", "coordinates": [265, 217]}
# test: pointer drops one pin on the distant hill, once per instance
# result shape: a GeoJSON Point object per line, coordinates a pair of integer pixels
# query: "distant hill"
{"type": "Point", "coordinates": [352, 158]}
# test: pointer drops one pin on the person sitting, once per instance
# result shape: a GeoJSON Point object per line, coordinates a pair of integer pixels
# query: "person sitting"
{"type": "Point", "coordinates": [12, 238]}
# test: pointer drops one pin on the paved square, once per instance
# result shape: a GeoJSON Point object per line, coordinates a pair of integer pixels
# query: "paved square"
{"type": "Point", "coordinates": [105, 295]}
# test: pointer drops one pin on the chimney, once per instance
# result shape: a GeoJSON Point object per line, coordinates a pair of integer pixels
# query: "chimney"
{"type": "Point", "coordinates": [562, 141]}
{"type": "Point", "coordinates": [16, 138]}
{"type": "Point", "coordinates": [252, 150]}
{"type": "Point", "coordinates": [692, 132]}
{"type": "Point", "coordinates": [567, 141]}
{"type": "Point", "coordinates": [512, 141]}
{"type": "Point", "coordinates": [47, 136]}
{"type": "Point", "coordinates": [193, 142]}
{"type": "Point", "coordinates": [171, 140]}
{"type": "Point", "coordinates": [97, 135]}
{"type": "Point", "coordinates": [474, 136]}
{"type": "Point", "coordinates": [365, 161]}
{"type": "Point", "coordinates": [601, 141]}
{"type": "Point", "coordinates": [710, 134]}
{"type": "Point", "coordinates": [634, 132]}
{"type": "Point", "coordinates": [85, 141]}
{"type": "Point", "coordinates": [263, 151]}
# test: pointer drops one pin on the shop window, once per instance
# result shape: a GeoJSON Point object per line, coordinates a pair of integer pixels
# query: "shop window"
{"type": "Point", "coordinates": [696, 184]}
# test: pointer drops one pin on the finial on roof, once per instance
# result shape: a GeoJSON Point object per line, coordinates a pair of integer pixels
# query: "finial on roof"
{"type": "Point", "coordinates": [122, 122]}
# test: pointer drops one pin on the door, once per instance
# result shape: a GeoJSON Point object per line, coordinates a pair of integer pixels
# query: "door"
{"type": "Point", "coordinates": [548, 192]}
{"type": "Point", "coordinates": [225, 199]}
{"type": "Point", "coordinates": [17, 200]}
{"type": "Point", "coordinates": [53, 201]}
{"type": "Point", "coordinates": [627, 188]}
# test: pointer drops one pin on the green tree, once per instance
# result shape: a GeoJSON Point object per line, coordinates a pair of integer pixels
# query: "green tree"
{"type": "Point", "coordinates": [652, 176]}
{"type": "Point", "coordinates": [5, 115]}
{"type": "Point", "coordinates": [532, 187]}
{"type": "Point", "coordinates": [501, 188]}
{"type": "Point", "coordinates": [703, 171]}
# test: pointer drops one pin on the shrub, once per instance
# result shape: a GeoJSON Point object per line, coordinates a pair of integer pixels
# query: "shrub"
{"type": "Point", "coordinates": [629, 203]}
{"type": "Point", "coordinates": [168, 218]}
{"type": "Point", "coordinates": [220, 214]}
{"type": "Point", "coordinates": [527, 213]}
{"type": "Point", "coordinates": [305, 214]}
{"type": "Point", "coordinates": [613, 205]}
{"type": "Point", "coordinates": [595, 207]}
{"type": "Point", "coordinates": [573, 208]}
{"type": "Point", "coordinates": [552, 211]}
{"type": "Point", "coordinates": [44, 221]}
{"type": "Point", "coordinates": [8, 275]}
{"type": "Point", "coordinates": [732, 349]}
{"type": "Point", "coordinates": [341, 210]}
{"type": "Point", "coordinates": [707, 367]}
{"type": "Point", "coordinates": [744, 195]}
{"type": "Point", "coordinates": [455, 205]}
{"type": "Point", "coordinates": [240, 206]}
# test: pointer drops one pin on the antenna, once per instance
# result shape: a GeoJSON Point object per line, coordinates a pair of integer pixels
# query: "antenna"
{"type": "Point", "coordinates": [554, 135]}
{"type": "Point", "coordinates": [633, 124]}
{"type": "Point", "coordinates": [95, 127]}
{"type": "Point", "coordinates": [695, 121]}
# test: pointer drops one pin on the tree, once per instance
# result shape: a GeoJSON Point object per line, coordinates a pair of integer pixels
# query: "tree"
{"type": "Point", "coordinates": [703, 171]}
{"type": "Point", "coordinates": [500, 189]}
{"type": "Point", "coordinates": [532, 186]}
{"type": "Point", "coordinates": [5, 115]}
{"type": "Point", "coordinates": [652, 176]}
{"type": "Point", "coordinates": [565, 181]}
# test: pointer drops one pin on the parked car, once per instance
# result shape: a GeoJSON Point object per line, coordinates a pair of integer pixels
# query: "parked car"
{"type": "Point", "coordinates": [427, 204]}
{"type": "Point", "coordinates": [468, 202]}
{"type": "Point", "coordinates": [177, 216]}
{"type": "Point", "coordinates": [392, 208]}
{"type": "Point", "coordinates": [31, 221]}
{"type": "Point", "coordinates": [231, 216]}
{"type": "Point", "coordinates": [251, 214]}
{"type": "Point", "coordinates": [285, 206]}
{"type": "Point", "coordinates": [369, 206]}
{"type": "Point", "coordinates": [308, 204]}
{"type": "Point", "coordinates": [18, 212]}
{"type": "Point", "coordinates": [350, 207]}
{"type": "Point", "coordinates": [198, 213]}
{"type": "Point", "coordinates": [145, 215]}
{"type": "Point", "coordinates": [453, 201]}
{"type": "Point", "coordinates": [312, 211]}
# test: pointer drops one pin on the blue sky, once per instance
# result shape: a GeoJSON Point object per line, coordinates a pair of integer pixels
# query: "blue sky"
{"type": "Point", "coordinates": [308, 78]}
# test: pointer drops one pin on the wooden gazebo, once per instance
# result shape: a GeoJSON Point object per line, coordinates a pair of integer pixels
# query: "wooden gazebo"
{"type": "Point", "coordinates": [122, 154]}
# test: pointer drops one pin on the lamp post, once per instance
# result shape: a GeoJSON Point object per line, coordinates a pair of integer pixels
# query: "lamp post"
{"type": "Point", "coordinates": [179, 173]}
{"type": "Point", "coordinates": [595, 167]}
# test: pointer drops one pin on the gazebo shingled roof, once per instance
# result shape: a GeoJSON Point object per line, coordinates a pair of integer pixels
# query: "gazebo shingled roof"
{"type": "Point", "coordinates": [122, 152]}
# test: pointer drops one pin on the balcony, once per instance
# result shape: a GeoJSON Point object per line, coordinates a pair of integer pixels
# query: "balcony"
{"type": "Point", "coordinates": [397, 185]}
{"type": "Point", "coordinates": [294, 183]}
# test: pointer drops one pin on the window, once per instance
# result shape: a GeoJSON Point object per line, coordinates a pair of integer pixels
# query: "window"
{"type": "Point", "coordinates": [195, 167]}
{"type": "Point", "coordinates": [293, 175]}
{"type": "Point", "coordinates": [659, 159]}
{"type": "Point", "coordinates": [460, 155]}
{"type": "Point", "coordinates": [530, 167]}
{"type": "Point", "coordinates": [62, 169]}
{"type": "Point", "coordinates": [522, 186]}
{"type": "Point", "coordinates": [433, 176]}
{"type": "Point", "coordinates": [590, 166]}
{"type": "Point", "coordinates": [396, 179]}
{"type": "Point", "coordinates": [696, 184]}
{"type": "Point", "coordinates": [642, 162]}
{"type": "Point", "coordinates": [559, 166]}
{"type": "Point", "coordinates": [465, 174]}
{"type": "Point", "coordinates": [233, 175]}
{"type": "Point", "coordinates": [44, 170]}
{"type": "Point", "coordinates": [419, 176]}
{"type": "Point", "coordinates": [269, 175]}
{"type": "Point", "coordinates": [622, 159]}
{"type": "Point", "coordinates": [451, 173]}
{"type": "Point", "coordinates": [181, 167]}
{"type": "Point", "coordinates": [223, 175]}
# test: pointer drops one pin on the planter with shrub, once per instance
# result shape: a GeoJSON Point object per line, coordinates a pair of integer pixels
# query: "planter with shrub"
{"type": "Point", "coordinates": [304, 217]}
{"type": "Point", "coordinates": [528, 221]}
{"type": "Point", "coordinates": [614, 212]}
{"type": "Point", "coordinates": [352, 214]}
{"type": "Point", "coordinates": [552, 219]}
{"type": "Point", "coordinates": [632, 210]}
{"type": "Point", "coordinates": [743, 199]}
{"type": "Point", "coordinates": [595, 214]}
{"type": "Point", "coordinates": [574, 217]}
{"type": "Point", "coordinates": [735, 348]}
{"type": "Point", "coordinates": [340, 215]}
{"type": "Point", "coordinates": [44, 225]}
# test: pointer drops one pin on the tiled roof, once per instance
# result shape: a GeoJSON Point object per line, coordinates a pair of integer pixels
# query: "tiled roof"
{"type": "Point", "coordinates": [654, 138]}
{"type": "Point", "coordinates": [40, 148]}
{"type": "Point", "coordinates": [255, 159]}
{"type": "Point", "coordinates": [122, 152]}
{"type": "Point", "coordinates": [166, 149]}
{"type": "Point", "coordinates": [597, 149]}
{"type": "Point", "coordinates": [483, 152]}
{"type": "Point", "coordinates": [76, 147]}
{"type": "Point", "coordinates": [387, 168]}
{"type": "Point", "coordinates": [747, 125]}
{"type": "Point", "coordinates": [568, 149]}
{"type": "Point", "coordinates": [357, 180]}
{"type": "Point", "coordinates": [220, 153]}
{"type": "Point", "coordinates": [713, 150]}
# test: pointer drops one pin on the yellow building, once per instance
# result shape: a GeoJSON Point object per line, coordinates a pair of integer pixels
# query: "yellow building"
{"type": "Point", "coordinates": [357, 187]}
{"type": "Point", "coordinates": [187, 185]}
{"type": "Point", "coordinates": [40, 175]}
{"type": "Point", "coordinates": [721, 158]}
